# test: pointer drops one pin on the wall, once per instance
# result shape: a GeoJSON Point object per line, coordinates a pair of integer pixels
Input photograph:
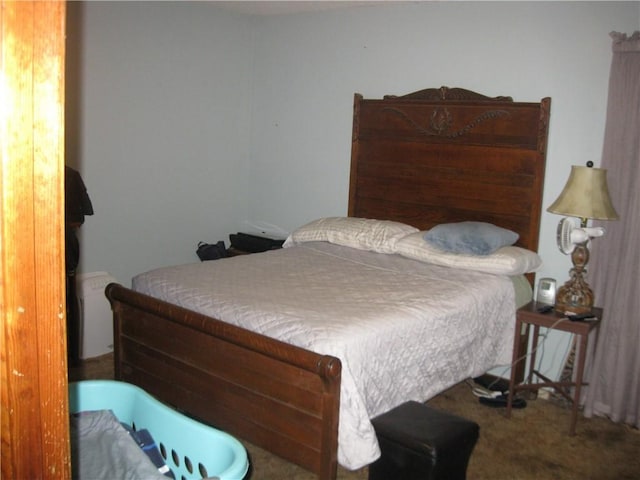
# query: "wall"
{"type": "Point", "coordinates": [196, 122]}
{"type": "Point", "coordinates": [161, 104]}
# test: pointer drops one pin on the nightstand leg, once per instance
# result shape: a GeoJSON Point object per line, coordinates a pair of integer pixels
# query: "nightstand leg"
{"type": "Point", "coordinates": [514, 360]}
{"type": "Point", "coordinates": [579, 377]}
{"type": "Point", "coordinates": [534, 349]}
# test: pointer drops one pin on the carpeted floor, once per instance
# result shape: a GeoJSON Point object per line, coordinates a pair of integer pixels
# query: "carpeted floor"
{"type": "Point", "coordinates": [533, 444]}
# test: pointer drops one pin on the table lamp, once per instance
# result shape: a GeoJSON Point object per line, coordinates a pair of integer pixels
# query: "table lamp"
{"type": "Point", "coordinates": [585, 196]}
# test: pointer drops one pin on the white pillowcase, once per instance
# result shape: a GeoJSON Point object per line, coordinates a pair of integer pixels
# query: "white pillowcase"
{"type": "Point", "coordinates": [504, 261]}
{"type": "Point", "coordinates": [361, 233]}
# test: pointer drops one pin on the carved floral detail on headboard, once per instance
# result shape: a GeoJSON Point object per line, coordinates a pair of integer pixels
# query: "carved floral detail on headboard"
{"type": "Point", "coordinates": [441, 121]}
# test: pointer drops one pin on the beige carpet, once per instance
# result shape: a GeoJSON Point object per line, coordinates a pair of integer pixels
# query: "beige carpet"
{"type": "Point", "coordinates": [533, 444]}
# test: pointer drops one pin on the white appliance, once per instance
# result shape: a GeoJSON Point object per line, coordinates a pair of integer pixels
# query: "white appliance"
{"type": "Point", "coordinates": [96, 324]}
{"type": "Point", "coordinates": [569, 234]}
{"type": "Point", "coordinates": [546, 291]}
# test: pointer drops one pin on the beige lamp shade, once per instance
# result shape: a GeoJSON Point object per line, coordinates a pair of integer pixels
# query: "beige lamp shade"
{"type": "Point", "coordinates": [586, 195]}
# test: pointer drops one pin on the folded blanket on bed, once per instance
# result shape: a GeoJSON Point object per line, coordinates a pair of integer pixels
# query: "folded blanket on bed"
{"type": "Point", "coordinates": [101, 448]}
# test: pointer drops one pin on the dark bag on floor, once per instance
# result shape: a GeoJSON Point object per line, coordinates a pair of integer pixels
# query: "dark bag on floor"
{"type": "Point", "coordinates": [208, 251]}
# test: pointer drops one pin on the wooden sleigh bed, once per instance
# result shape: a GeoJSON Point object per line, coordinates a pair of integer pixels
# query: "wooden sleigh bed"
{"type": "Point", "coordinates": [427, 158]}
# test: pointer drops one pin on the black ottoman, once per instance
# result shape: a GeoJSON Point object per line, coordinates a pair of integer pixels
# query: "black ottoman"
{"type": "Point", "coordinates": [420, 443]}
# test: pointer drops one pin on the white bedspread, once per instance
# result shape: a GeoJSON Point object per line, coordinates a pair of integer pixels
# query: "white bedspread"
{"type": "Point", "coordinates": [404, 330]}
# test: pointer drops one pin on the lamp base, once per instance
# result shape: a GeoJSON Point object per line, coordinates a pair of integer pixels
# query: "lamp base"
{"type": "Point", "coordinates": [568, 302]}
{"type": "Point", "coordinates": [575, 296]}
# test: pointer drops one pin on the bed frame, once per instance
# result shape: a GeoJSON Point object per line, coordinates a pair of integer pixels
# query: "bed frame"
{"type": "Point", "coordinates": [434, 156]}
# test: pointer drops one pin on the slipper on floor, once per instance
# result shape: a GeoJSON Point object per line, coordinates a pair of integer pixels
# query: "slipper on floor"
{"type": "Point", "coordinates": [501, 401]}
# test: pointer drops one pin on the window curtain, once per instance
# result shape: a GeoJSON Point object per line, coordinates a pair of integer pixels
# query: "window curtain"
{"type": "Point", "coordinates": [614, 380]}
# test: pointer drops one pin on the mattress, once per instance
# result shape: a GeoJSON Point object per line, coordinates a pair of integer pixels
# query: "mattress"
{"type": "Point", "coordinates": [403, 329]}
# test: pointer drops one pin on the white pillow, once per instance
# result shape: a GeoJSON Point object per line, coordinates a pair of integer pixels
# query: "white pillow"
{"type": "Point", "coordinates": [508, 260]}
{"type": "Point", "coordinates": [361, 233]}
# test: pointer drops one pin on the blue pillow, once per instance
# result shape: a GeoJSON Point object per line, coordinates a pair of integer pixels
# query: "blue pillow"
{"type": "Point", "coordinates": [476, 238]}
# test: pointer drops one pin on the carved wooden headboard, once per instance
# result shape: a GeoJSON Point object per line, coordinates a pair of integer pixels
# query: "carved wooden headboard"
{"type": "Point", "coordinates": [450, 155]}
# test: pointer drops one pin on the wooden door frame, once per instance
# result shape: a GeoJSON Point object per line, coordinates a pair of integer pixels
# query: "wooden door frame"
{"type": "Point", "coordinates": [34, 399]}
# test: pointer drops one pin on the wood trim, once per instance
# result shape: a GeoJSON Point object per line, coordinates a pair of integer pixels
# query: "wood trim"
{"type": "Point", "coordinates": [34, 409]}
{"type": "Point", "coordinates": [448, 94]}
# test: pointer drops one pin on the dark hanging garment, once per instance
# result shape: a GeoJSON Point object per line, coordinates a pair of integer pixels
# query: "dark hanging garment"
{"type": "Point", "coordinates": [77, 204]}
{"type": "Point", "coordinates": [76, 199]}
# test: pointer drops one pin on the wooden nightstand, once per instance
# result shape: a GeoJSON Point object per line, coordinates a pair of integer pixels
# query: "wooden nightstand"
{"type": "Point", "coordinates": [530, 316]}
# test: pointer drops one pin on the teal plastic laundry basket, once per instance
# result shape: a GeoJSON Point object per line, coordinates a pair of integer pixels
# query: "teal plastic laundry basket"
{"type": "Point", "coordinates": [191, 449]}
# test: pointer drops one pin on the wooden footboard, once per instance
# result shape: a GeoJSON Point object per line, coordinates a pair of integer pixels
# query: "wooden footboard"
{"type": "Point", "coordinates": [279, 397]}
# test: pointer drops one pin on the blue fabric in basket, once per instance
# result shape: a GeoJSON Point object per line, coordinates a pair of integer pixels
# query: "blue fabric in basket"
{"type": "Point", "coordinates": [145, 441]}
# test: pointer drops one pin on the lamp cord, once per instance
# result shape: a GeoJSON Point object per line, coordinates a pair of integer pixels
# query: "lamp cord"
{"type": "Point", "coordinates": [526, 355]}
